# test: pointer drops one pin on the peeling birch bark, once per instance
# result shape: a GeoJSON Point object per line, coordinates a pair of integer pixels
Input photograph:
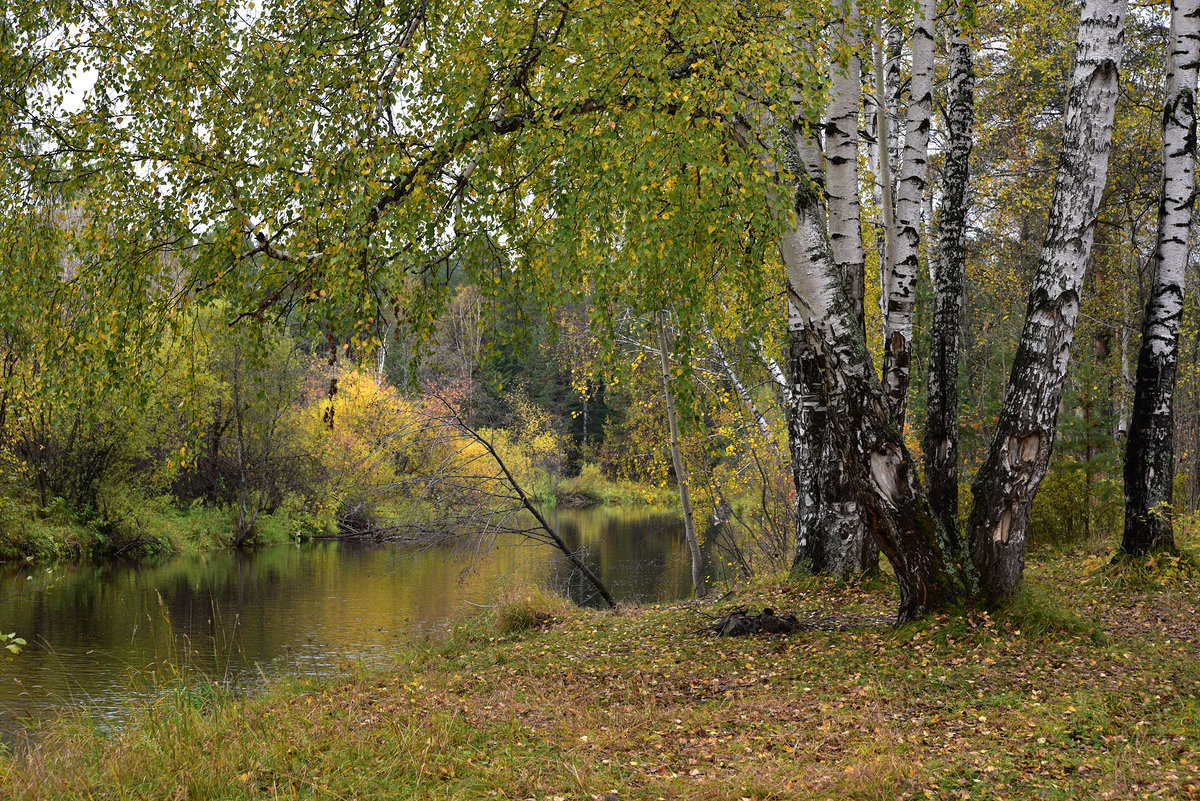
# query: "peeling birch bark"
{"type": "Point", "coordinates": [1005, 485]}
{"type": "Point", "coordinates": [931, 569]}
{"type": "Point", "coordinates": [898, 324]}
{"type": "Point", "coordinates": [949, 277]}
{"type": "Point", "coordinates": [1150, 449]}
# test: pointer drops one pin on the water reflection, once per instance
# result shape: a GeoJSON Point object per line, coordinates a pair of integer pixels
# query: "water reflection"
{"type": "Point", "coordinates": [105, 634]}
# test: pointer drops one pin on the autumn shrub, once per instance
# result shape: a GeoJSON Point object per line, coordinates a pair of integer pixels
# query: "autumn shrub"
{"type": "Point", "coordinates": [532, 447]}
{"type": "Point", "coordinates": [361, 441]}
{"type": "Point", "coordinates": [526, 607]}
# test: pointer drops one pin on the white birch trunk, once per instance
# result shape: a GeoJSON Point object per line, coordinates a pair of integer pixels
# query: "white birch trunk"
{"type": "Point", "coordinates": [843, 547]}
{"type": "Point", "coordinates": [1150, 450]}
{"type": "Point", "coordinates": [841, 162]}
{"type": "Point", "coordinates": [884, 134]}
{"type": "Point", "coordinates": [1005, 485]}
{"type": "Point", "coordinates": [898, 325]}
{"type": "Point", "coordinates": [949, 278]}
{"type": "Point", "coordinates": [893, 81]}
{"type": "Point", "coordinates": [681, 474]}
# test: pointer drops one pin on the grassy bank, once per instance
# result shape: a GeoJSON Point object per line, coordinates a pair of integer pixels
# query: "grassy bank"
{"type": "Point", "coordinates": [1088, 688]}
{"type": "Point", "coordinates": [149, 527]}
{"type": "Point", "coordinates": [592, 488]}
{"type": "Point", "coordinates": [29, 532]}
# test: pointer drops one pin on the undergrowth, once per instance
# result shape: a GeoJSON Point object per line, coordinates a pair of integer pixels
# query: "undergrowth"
{"type": "Point", "coordinates": [1153, 571]}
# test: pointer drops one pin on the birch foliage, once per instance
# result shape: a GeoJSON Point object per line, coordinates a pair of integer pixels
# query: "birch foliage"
{"type": "Point", "coordinates": [340, 159]}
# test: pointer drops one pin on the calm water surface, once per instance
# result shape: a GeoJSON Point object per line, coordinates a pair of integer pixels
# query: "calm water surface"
{"type": "Point", "coordinates": [106, 635]}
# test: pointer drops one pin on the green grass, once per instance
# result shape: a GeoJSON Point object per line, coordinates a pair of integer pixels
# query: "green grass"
{"type": "Point", "coordinates": [591, 487]}
{"type": "Point", "coordinates": [527, 608]}
{"type": "Point", "coordinates": [534, 699]}
{"type": "Point", "coordinates": [141, 527]}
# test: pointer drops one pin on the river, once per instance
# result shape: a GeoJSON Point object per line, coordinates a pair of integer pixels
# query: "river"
{"type": "Point", "coordinates": [104, 635]}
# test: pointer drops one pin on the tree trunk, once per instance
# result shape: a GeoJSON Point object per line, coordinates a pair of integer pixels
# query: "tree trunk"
{"type": "Point", "coordinates": [849, 548]}
{"type": "Point", "coordinates": [898, 326]}
{"type": "Point", "coordinates": [931, 569]}
{"type": "Point", "coordinates": [685, 498]}
{"type": "Point", "coordinates": [1005, 485]}
{"type": "Point", "coordinates": [1150, 450]}
{"type": "Point", "coordinates": [941, 428]}
{"type": "Point", "coordinates": [832, 538]}
{"type": "Point", "coordinates": [893, 83]}
{"type": "Point", "coordinates": [841, 165]}
{"type": "Point", "coordinates": [807, 435]}
{"type": "Point", "coordinates": [884, 133]}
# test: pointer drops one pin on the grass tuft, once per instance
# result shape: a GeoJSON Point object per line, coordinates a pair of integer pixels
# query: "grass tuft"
{"type": "Point", "coordinates": [1032, 609]}
{"type": "Point", "coordinates": [526, 608]}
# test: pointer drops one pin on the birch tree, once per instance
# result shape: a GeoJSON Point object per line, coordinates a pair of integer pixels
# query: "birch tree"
{"type": "Point", "coordinates": [832, 538]}
{"type": "Point", "coordinates": [949, 277]}
{"type": "Point", "coordinates": [886, 144]}
{"type": "Point", "coordinates": [931, 569]}
{"type": "Point", "coordinates": [1006, 483]}
{"type": "Point", "coordinates": [665, 345]}
{"type": "Point", "coordinates": [902, 288]}
{"type": "Point", "coordinates": [1150, 449]}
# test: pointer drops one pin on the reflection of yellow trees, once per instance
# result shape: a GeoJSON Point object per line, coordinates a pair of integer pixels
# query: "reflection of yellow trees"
{"type": "Point", "coordinates": [108, 629]}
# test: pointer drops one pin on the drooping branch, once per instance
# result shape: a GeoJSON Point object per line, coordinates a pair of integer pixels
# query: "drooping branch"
{"type": "Point", "coordinates": [526, 502]}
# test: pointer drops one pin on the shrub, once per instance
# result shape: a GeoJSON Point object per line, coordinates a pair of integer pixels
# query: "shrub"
{"type": "Point", "coordinates": [589, 487]}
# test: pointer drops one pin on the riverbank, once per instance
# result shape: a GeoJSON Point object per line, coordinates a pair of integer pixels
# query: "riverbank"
{"type": "Point", "coordinates": [30, 533]}
{"type": "Point", "coordinates": [1088, 688]}
{"type": "Point", "coordinates": [153, 527]}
